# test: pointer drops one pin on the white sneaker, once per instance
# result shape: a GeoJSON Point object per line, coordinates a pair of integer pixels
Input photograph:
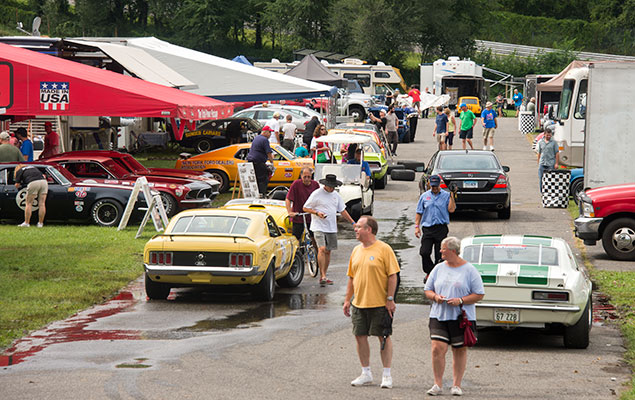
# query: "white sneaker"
{"type": "Point", "coordinates": [363, 379]}
{"type": "Point", "coordinates": [456, 391]}
{"type": "Point", "coordinates": [386, 382]}
{"type": "Point", "coordinates": [491, 148]}
{"type": "Point", "coordinates": [24, 225]}
{"type": "Point", "coordinates": [484, 147]}
{"type": "Point", "coordinates": [435, 390]}
{"type": "Point", "coordinates": [40, 225]}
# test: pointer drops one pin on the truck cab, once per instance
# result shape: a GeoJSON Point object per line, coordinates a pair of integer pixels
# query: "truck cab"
{"type": "Point", "coordinates": [569, 132]}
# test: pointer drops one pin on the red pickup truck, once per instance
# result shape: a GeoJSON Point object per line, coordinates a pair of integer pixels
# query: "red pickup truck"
{"type": "Point", "coordinates": [608, 214]}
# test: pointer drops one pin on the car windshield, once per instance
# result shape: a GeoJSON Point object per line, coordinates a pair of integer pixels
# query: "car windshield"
{"type": "Point", "coordinates": [510, 254]}
{"type": "Point", "coordinates": [224, 224]}
{"type": "Point", "coordinates": [347, 173]}
{"type": "Point", "coordinates": [470, 162]}
{"type": "Point", "coordinates": [285, 153]}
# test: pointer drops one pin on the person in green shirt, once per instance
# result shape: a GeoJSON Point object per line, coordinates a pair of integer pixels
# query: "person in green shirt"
{"type": "Point", "coordinates": [467, 118]}
{"type": "Point", "coordinates": [8, 152]}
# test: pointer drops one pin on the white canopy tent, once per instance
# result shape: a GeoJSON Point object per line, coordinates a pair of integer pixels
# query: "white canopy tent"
{"type": "Point", "coordinates": [224, 79]}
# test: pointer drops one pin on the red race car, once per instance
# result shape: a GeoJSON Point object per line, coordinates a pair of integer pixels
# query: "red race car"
{"type": "Point", "coordinates": [179, 190]}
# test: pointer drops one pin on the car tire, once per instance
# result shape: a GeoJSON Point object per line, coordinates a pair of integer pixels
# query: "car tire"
{"type": "Point", "coordinates": [106, 212]}
{"type": "Point", "coordinates": [357, 113]}
{"type": "Point", "coordinates": [412, 165]}
{"type": "Point", "coordinates": [402, 175]}
{"type": "Point", "coordinates": [575, 188]}
{"type": "Point", "coordinates": [169, 203]}
{"type": "Point", "coordinates": [156, 290]}
{"type": "Point", "coordinates": [295, 274]}
{"type": "Point", "coordinates": [394, 167]}
{"type": "Point", "coordinates": [203, 145]}
{"type": "Point", "coordinates": [381, 182]}
{"type": "Point", "coordinates": [355, 210]}
{"type": "Point", "coordinates": [266, 288]}
{"type": "Point", "coordinates": [577, 336]}
{"type": "Point", "coordinates": [618, 239]}
{"type": "Point", "coordinates": [505, 213]}
{"type": "Point", "coordinates": [221, 177]}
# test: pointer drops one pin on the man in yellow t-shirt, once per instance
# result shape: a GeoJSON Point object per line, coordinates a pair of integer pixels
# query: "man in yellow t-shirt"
{"type": "Point", "coordinates": [372, 272]}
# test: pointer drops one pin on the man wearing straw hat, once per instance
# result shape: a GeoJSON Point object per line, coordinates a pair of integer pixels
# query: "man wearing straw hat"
{"type": "Point", "coordinates": [326, 203]}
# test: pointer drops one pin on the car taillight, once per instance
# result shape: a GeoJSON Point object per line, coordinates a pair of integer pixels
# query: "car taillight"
{"type": "Point", "coordinates": [240, 260]}
{"type": "Point", "coordinates": [501, 182]}
{"type": "Point", "coordinates": [550, 296]}
{"type": "Point", "coordinates": [160, 258]}
{"type": "Point", "coordinates": [442, 185]}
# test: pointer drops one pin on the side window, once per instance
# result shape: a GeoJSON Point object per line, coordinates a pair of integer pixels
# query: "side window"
{"type": "Point", "coordinates": [580, 106]}
{"type": "Point", "coordinates": [49, 178]}
{"type": "Point", "coordinates": [247, 114]}
{"type": "Point", "coordinates": [87, 170]}
{"type": "Point", "coordinates": [363, 79]}
{"type": "Point", "coordinates": [382, 75]}
{"type": "Point", "coordinates": [265, 114]}
{"type": "Point", "coordinates": [278, 157]}
{"type": "Point", "coordinates": [242, 154]}
{"type": "Point", "coordinates": [272, 227]}
{"type": "Point", "coordinates": [3, 177]}
{"type": "Point", "coordinates": [431, 165]}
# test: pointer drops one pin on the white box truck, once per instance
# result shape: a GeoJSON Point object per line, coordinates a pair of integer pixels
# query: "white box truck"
{"type": "Point", "coordinates": [454, 77]}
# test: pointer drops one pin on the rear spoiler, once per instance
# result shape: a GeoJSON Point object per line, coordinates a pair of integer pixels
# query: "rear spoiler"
{"type": "Point", "coordinates": [171, 235]}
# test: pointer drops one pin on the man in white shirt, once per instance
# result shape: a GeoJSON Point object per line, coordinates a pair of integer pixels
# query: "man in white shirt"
{"type": "Point", "coordinates": [274, 124]}
{"type": "Point", "coordinates": [289, 130]}
{"type": "Point", "coordinates": [326, 203]}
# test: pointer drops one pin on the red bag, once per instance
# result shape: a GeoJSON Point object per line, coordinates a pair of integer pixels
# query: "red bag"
{"type": "Point", "coordinates": [468, 335]}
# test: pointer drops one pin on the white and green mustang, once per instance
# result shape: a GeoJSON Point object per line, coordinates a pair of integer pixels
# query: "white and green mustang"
{"type": "Point", "coordinates": [531, 282]}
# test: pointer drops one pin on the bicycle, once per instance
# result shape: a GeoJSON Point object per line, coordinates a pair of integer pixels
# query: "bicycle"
{"type": "Point", "coordinates": [309, 251]}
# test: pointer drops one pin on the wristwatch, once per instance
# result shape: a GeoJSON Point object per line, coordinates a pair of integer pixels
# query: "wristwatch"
{"type": "Point", "coordinates": [390, 298]}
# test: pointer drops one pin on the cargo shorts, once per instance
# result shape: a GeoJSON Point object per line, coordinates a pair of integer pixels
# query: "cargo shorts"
{"type": "Point", "coordinates": [368, 321]}
{"type": "Point", "coordinates": [37, 188]}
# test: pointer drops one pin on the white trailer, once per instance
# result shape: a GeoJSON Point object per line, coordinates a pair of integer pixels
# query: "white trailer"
{"type": "Point", "coordinates": [608, 141]}
{"type": "Point", "coordinates": [431, 75]}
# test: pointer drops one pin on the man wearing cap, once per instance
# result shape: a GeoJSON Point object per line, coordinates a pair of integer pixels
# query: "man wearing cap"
{"type": "Point", "coordinates": [467, 118]}
{"type": "Point", "coordinates": [259, 153]}
{"type": "Point", "coordinates": [8, 152]}
{"type": "Point", "coordinates": [358, 160]}
{"type": "Point", "coordinates": [274, 124]}
{"type": "Point", "coordinates": [431, 222]}
{"type": "Point", "coordinates": [26, 146]}
{"type": "Point", "coordinates": [490, 123]}
{"type": "Point", "coordinates": [326, 203]}
{"type": "Point", "coordinates": [51, 141]}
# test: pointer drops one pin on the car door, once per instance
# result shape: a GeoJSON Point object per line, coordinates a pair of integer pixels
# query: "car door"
{"type": "Point", "coordinates": [8, 206]}
{"type": "Point", "coordinates": [284, 169]}
{"type": "Point", "coordinates": [280, 252]}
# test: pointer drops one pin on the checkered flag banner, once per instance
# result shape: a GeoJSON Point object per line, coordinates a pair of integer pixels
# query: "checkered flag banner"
{"type": "Point", "coordinates": [555, 188]}
{"type": "Point", "coordinates": [526, 122]}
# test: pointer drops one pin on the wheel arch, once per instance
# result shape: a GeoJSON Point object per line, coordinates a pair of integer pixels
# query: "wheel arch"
{"type": "Point", "coordinates": [610, 218]}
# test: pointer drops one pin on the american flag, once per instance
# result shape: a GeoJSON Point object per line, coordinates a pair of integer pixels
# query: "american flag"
{"type": "Point", "coordinates": [54, 95]}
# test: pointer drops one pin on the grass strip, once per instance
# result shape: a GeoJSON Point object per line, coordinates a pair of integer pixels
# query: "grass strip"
{"type": "Point", "coordinates": [51, 273]}
{"type": "Point", "coordinates": [619, 286]}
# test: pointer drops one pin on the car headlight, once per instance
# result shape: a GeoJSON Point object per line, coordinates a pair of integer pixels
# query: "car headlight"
{"type": "Point", "coordinates": [586, 206]}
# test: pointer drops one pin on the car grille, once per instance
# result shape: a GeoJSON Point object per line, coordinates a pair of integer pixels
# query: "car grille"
{"type": "Point", "coordinates": [200, 258]}
{"type": "Point", "coordinates": [200, 194]}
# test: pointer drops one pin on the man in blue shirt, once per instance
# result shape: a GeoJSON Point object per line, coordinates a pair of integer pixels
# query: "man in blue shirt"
{"type": "Point", "coordinates": [259, 153]}
{"type": "Point", "coordinates": [357, 159]}
{"type": "Point", "coordinates": [26, 148]}
{"type": "Point", "coordinates": [518, 100]}
{"type": "Point", "coordinates": [432, 219]}
{"type": "Point", "coordinates": [490, 123]}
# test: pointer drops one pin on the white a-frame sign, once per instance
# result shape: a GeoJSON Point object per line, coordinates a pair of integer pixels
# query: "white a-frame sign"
{"type": "Point", "coordinates": [155, 208]}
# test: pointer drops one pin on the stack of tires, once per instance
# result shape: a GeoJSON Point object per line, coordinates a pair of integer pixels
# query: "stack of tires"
{"type": "Point", "coordinates": [405, 170]}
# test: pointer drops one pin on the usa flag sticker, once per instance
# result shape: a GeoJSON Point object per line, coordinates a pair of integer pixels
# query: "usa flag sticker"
{"type": "Point", "coordinates": [54, 95]}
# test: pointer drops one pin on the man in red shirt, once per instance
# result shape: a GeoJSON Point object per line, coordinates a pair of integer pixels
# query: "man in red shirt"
{"type": "Point", "coordinates": [299, 192]}
{"type": "Point", "coordinates": [416, 97]}
{"type": "Point", "coordinates": [51, 141]}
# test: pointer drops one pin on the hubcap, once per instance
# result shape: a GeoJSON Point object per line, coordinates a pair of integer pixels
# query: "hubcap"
{"type": "Point", "coordinates": [624, 240]}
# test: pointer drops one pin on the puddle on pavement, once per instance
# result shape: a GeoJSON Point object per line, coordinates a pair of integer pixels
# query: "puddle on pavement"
{"type": "Point", "coordinates": [411, 295]}
{"type": "Point", "coordinates": [251, 317]}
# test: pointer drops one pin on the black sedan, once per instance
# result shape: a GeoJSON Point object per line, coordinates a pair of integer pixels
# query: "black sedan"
{"type": "Point", "coordinates": [217, 133]}
{"type": "Point", "coordinates": [69, 198]}
{"type": "Point", "coordinates": [481, 181]}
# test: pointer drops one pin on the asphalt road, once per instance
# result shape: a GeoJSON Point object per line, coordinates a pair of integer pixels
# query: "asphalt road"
{"type": "Point", "coordinates": [199, 345]}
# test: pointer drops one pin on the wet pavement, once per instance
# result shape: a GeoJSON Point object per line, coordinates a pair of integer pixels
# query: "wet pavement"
{"type": "Point", "coordinates": [201, 344]}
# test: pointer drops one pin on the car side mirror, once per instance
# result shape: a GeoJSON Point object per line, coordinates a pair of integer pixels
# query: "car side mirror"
{"type": "Point", "coordinates": [505, 168]}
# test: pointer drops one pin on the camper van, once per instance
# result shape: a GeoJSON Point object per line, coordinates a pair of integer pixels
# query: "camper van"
{"type": "Point", "coordinates": [374, 79]}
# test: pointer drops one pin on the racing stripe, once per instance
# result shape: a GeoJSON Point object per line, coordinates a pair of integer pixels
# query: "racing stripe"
{"type": "Point", "coordinates": [533, 275]}
{"type": "Point", "coordinates": [537, 240]}
{"type": "Point", "coordinates": [486, 240]}
{"type": "Point", "coordinates": [489, 272]}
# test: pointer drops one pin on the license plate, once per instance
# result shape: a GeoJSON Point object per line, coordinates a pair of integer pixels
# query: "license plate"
{"type": "Point", "coordinates": [470, 185]}
{"type": "Point", "coordinates": [505, 316]}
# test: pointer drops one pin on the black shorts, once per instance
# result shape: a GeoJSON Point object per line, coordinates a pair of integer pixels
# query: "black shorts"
{"type": "Point", "coordinates": [466, 134]}
{"type": "Point", "coordinates": [448, 331]}
{"type": "Point", "coordinates": [368, 321]}
{"type": "Point", "coordinates": [450, 138]}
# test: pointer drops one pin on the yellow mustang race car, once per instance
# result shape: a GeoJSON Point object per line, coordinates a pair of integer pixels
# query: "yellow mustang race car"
{"type": "Point", "coordinates": [223, 164]}
{"type": "Point", "coordinates": [239, 244]}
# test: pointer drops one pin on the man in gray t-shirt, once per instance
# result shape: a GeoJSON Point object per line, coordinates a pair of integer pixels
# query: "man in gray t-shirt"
{"type": "Point", "coordinates": [392, 123]}
{"type": "Point", "coordinates": [548, 154]}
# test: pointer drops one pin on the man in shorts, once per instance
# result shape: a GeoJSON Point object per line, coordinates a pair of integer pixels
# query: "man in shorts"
{"type": "Point", "coordinates": [372, 279]}
{"type": "Point", "coordinates": [490, 123]}
{"type": "Point", "coordinates": [326, 203]}
{"type": "Point", "coordinates": [467, 118]}
{"type": "Point", "coordinates": [440, 127]}
{"type": "Point", "coordinates": [36, 188]}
